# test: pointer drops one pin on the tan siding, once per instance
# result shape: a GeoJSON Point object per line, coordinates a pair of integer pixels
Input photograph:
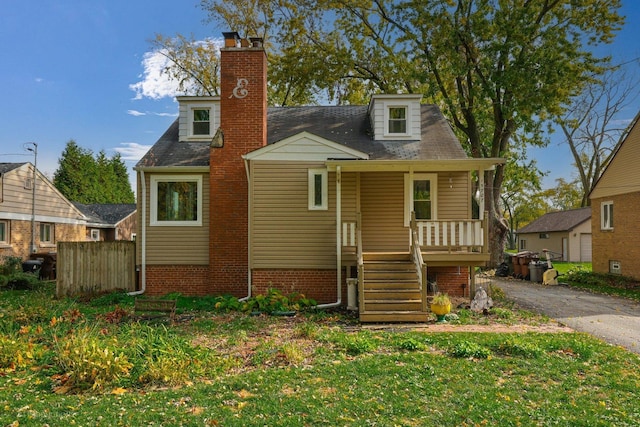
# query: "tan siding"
{"type": "Point", "coordinates": [382, 199]}
{"type": "Point", "coordinates": [284, 232]}
{"type": "Point", "coordinates": [454, 196]}
{"type": "Point", "coordinates": [622, 175]}
{"type": "Point", "coordinates": [49, 202]}
{"type": "Point", "coordinates": [177, 245]}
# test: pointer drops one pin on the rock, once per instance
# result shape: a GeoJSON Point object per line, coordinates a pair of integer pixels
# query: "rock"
{"type": "Point", "coordinates": [481, 301]}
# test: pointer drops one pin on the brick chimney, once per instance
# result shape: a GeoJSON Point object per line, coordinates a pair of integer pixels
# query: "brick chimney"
{"type": "Point", "coordinates": [243, 121]}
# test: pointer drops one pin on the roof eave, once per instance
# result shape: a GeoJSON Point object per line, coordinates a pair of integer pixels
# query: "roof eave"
{"type": "Point", "coordinates": [443, 165]}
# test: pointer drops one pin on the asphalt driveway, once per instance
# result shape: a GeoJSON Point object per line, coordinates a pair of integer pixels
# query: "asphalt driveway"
{"type": "Point", "coordinates": [614, 320]}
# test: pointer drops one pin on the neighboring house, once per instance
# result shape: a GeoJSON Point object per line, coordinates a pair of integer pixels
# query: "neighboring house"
{"type": "Point", "coordinates": [615, 201]}
{"type": "Point", "coordinates": [52, 217]}
{"type": "Point", "coordinates": [236, 198]}
{"type": "Point", "coordinates": [566, 233]}
{"type": "Point", "coordinates": [110, 222]}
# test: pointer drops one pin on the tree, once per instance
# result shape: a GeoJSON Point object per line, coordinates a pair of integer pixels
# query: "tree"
{"type": "Point", "coordinates": [84, 179]}
{"type": "Point", "coordinates": [591, 128]}
{"type": "Point", "coordinates": [494, 67]}
{"type": "Point", "coordinates": [194, 64]}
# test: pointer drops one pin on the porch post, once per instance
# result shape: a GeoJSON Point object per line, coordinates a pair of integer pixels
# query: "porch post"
{"type": "Point", "coordinates": [481, 189]}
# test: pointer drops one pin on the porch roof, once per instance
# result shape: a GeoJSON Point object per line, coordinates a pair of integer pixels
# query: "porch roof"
{"type": "Point", "coordinates": [441, 165]}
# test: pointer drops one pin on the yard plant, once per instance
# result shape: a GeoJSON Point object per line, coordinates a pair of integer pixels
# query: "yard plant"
{"type": "Point", "coordinates": [76, 362]}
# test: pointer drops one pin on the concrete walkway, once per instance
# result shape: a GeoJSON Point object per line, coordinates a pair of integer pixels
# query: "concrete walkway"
{"type": "Point", "coordinates": [614, 320]}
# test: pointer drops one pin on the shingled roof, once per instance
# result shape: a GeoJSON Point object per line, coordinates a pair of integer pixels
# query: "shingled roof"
{"type": "Point", "coordinates": [557, 221]}
{"type": "Point", "coordinates": [8, 167]}
{"type": "Point", "coordinates": [346, 125]}
{"type": "Point", "coordinates": [106, 214]}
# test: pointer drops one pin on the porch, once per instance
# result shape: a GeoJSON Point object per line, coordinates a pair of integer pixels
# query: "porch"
{"type": "Point", "coordinates": [394, 286]}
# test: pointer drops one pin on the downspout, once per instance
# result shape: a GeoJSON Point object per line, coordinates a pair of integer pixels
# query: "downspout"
{"type": "Point", "coordinates": [338, 240]}
{"type": "Point", "coordinates": [143, 238]}
{"type": "Point", "coordinates": [249, 196]}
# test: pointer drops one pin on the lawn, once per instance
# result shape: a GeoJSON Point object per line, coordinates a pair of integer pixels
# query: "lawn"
{"type": "Point", "coordinates": [70, 362]}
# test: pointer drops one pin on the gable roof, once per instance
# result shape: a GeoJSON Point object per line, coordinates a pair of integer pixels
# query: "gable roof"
{"type": "Point", "coordinates": [348, 125]}
{"type": "Point", "coordinates": [621, 176]}
{"type": "Point", "coordinates": [557, 221]}
{"type": "Point", "coordinates": [106, 214]}
{"type": "Point", "coordinates": [8, 167]}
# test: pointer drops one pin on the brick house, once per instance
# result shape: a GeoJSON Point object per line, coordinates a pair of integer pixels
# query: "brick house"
{"type": "Point", "coordinates": [237, 197]}
{"type": "Point", "coordinates": [108, 222]}
{"type": "Point", "coordinates": [27, 227]}
{"type": "Point", "coordinates": [615, 201]}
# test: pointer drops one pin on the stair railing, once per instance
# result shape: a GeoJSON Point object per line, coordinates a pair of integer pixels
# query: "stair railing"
{"type": "Point", "coordinates": [360, 259]}
{"type": "Point", "coordinates": [416, 256]}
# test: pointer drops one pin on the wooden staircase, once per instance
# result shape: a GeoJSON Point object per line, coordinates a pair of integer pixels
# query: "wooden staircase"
{"type": "Point", "coordinates": [390, 291]}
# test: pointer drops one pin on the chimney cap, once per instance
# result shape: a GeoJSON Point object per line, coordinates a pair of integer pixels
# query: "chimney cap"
{"type": "Point", "coordinates": [256, 41]}
{"type": "Point", "coordinates": [231, 38]}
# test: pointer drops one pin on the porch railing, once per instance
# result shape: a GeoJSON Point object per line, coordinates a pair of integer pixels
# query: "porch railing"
{"type": "Point", "coordinates": [416, 256]}
{"type": "Point", "coordinates": [452, 235]}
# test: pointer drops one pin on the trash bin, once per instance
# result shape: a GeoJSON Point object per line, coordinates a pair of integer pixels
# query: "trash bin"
{"type": "Point", "coordinates": [31, 265]}
{"type": "Point", "coordinates": [535, 271]}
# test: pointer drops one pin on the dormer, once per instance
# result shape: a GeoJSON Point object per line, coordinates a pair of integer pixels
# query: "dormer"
{"type": "Point", "coordinates": [199, 118]}
{"type": "Point", "coordinates": [395, 117]}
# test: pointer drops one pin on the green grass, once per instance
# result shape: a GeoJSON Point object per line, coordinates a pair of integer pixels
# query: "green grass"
{"type": "Point", "coordinates": [564, 267]}
{"type": "Point", "coordinates": [230, 369]}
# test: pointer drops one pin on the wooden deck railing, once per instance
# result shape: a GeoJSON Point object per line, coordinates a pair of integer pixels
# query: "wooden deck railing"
{"type": "Point", "coordinates": [416, 256]}
{"type": "Point", "coordinates": [451, 235]}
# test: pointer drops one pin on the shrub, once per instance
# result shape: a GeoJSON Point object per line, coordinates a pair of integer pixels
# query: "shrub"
{"type": "Point", "coordinates": [409, 344]}
{"type": "Point", "coordinates": [90, 360]}
{"type": "Point", "coordinates": [275, 301]}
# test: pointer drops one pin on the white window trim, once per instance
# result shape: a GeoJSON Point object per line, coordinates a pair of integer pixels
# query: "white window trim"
{"type": "Point", "coordinates": [155, 179]}
{"type": "Point", "coordinates": [52, 234]}
{"type": "Point", "coordinates": [387, 108]}
{"type": "Point", "coordinates": [603, 206]}
{"type": "Point", "coordinates": [190, 119]}
{"type": "Point", "coordinates": [7, 239]}
{"type": "Point", "coordinates": [95, 234]}
{"type": "Point", "coordinates": [408, 195]}
{"type": "Point", "coordinates": [312, 190]}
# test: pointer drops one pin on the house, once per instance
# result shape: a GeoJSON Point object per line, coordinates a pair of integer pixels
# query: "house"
{"type": "Point", "coordinates": [33, 219]}
{"type": "Point", "coordinates": [109, 222]}
{"type": "Point", "coordinates": [566, 233]}
{"type": "Point", "coordinates": [615, 201]}
{"type": "Point", "coordinates": [235, 198]}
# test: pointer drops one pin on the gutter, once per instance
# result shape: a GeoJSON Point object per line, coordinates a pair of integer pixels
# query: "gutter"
{"type": "Point", "coordinates": [338, 240]}
{"type": "Point", "coordinates": [143, 238]}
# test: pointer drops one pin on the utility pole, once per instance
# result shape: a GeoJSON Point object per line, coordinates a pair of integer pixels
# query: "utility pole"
{"type": "Point", "coordinates": [34, 150]}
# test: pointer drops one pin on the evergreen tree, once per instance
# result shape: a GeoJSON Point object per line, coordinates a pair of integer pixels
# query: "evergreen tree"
{"type": "Point", "coordinates": [83, 178]}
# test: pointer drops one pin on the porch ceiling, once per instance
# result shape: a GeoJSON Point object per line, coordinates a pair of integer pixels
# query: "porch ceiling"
{"type": "Point", "coordinates": [444, 165]}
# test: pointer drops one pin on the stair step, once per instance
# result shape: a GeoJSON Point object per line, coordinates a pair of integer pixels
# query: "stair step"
{"type": "Point", "coordinates": [386, 256]}
{"type": "Point", "coordinates": [394, 316]}
{"type": "Point", "coordinates": [389, 266]}
{"type": "Point", "coordinates": [391, 285]}
{"type": "Point", "coordinates": [368, 275]}
{"type": "Point", "coordinates": [393, 305]}
{"type": "Point", "coordinates": [392, 295]}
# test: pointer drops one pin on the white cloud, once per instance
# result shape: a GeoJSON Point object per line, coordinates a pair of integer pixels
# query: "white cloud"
{"type": "Point", "coordinates": [154, 84]}
{"type": "Point", "coordinates": [136, 113]}
{"type": "Point", "coordinates": [132, 151]}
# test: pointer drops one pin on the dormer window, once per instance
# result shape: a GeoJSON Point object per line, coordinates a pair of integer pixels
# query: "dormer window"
{"type": "Point", "coordinates": [398, 120]}
{"type": "Point", "coordinates": [201, 122]}
{"type": "Point", "coordinates": [199, 118]}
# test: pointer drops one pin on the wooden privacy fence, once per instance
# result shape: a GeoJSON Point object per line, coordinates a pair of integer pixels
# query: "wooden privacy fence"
{"type": "Point", "coordinates": [95, 267]}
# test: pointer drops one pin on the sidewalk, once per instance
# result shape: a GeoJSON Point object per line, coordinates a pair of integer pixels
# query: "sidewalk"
{"type": "Point", "coordinates": [614, 320]}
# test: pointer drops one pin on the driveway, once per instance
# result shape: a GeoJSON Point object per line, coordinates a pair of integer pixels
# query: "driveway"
{"type": "Point", "coordinates": [614, 320]}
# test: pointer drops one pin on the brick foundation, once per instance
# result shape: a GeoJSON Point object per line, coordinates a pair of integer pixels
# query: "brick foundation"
{"type": "Point", "coordinates": [190, 280]}
{"type": "Point", "coordinates": [317, 284]}
{"type": "Point", "coordinates": [450, 280]}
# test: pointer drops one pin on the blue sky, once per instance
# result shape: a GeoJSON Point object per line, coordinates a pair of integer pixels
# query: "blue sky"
{"type": "Point", "coordinates": [82, 70]}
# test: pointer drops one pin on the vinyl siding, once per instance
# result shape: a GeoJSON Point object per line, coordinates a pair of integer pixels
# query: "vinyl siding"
{"type": "Point", "coordinates": [50, 203]}
{"type": "Point", "coordinates": [284, 232]}
{"type": "Point", "coordinates": [454, 197]}
{"type": "Point", "coordinates": [176, 245]}
{"type": "Point", "coordinates": [622, 176]}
